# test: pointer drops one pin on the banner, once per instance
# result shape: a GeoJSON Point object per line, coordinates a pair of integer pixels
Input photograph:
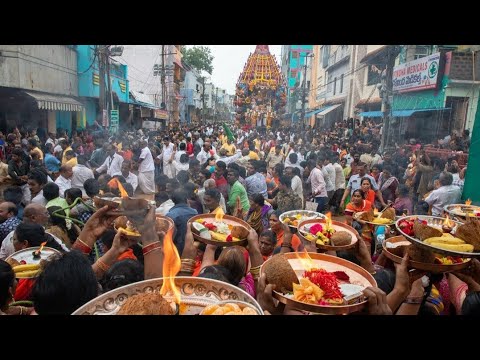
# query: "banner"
{"type": "Point", "coordinates": [420, 74]}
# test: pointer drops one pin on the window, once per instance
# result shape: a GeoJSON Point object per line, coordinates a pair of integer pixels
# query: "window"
{"type": "Point", "coordinates": [341, 84]}
{"type": "Point", "coordinates": [329, 83]}
{"type": "Point", "coordinates": [325, 55]}
{"type": "Point", "coordinates": [422, 51]}
{"type": "Point", "coordinates": [334, 85]}
{"type": "Point", "coordinates": [374, 75]}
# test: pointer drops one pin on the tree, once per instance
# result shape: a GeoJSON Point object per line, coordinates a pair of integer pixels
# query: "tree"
{"type": "Point", "coordinates": [199, 57]}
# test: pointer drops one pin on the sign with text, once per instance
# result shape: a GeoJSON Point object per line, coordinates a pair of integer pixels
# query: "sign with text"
{"type": "Point", "coordinates": [114, 120]}
{"type": "Point", "coordinates": [161, 114]}
{"type": "Point", "coordinates": [420, 74]}
{"type": "Point", "coordinates": [113, 117]}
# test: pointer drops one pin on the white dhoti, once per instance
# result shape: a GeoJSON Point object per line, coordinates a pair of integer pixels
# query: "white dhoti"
{"type": "Point", "coordinates": [169, 169]}
{"type": "Point", "coordinates": [146, 182]}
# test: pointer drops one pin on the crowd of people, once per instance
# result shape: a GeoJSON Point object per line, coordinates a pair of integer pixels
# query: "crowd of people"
{"type": "Point", "coordinates": [49, 181]}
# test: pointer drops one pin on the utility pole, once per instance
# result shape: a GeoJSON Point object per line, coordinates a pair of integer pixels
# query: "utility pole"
{"type": "Point", "coordinates": [109, 87]}
{"type": "Point", "coordinates": [162, 77]}
{"type": "Point", "coordinates": [304, 89]}
{"type": "Point", "coordinates": [101, 71]}
{"type": "Point", "coordinates": [202, 79]}
{"type": "Point", "coordinates": [386, 94]}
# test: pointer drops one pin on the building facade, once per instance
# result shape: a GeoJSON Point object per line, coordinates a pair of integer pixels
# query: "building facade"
{"type": "Point", "coordinates": [293, 59]}
{"type": "Point", "coordinates": [39, 87]}
{"type": "Point", "coordinates": [89, 87]}
{"type": "Point", "coordinates": [435, 91]}
{"type": "Point", "coordinates": [331, 81]}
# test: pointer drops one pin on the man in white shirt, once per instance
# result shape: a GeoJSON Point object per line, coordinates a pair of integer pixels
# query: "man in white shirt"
{"type": "Point", "coordinates": [81, 173]}
{"type": "Point", "coordinates": [58, 148]}
{"type": "Point", "coordinates": [292, 161]}
{"type": "Point", "coordinates": [445, 195]}
{"type": "Point", "coordinates": [339, 185]}
{"type": "Point", "coordinates": [167, 155]}
{"type": "Point", "coordinates": [64, 181]}
{"type": "Point", "coordinates": [132, 179]}
{"type": "Point", "coordinates": [328, 172]}
{"type": "Point", "coordinates": [181, 150]}
{"type": "Point", "coordinates": [165, 203]}
{"type": "Point", "coordinates": [112, 164]}
{"type": "Point", "coordinates": [319, 190]}
{"type": "Point", "coordinates": [297, 185]}
{"type": "Point", "coordinates": [146, 170]}
{"type": "Point", "coordinates": [51, 140]}
{"type": "Point", "coordinates": [229, 159]}
{"type": "Point", "coordinates": [206, 153]}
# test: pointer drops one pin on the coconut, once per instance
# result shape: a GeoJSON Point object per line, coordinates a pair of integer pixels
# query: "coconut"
{"type": "Point", "coordinates": [280, 273]}
{"type": "Point", "coordinates": [341, 238]}
{"type": "Point", "coordinates": [147, 304]}
{"type": "Point", "coordinates": [239, 232]}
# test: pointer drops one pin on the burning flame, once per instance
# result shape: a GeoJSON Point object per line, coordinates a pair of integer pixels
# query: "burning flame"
{"type": "Point", "coordinates": [171, 267]}
{"type": "Point", "coordinates": [41, 247]}
{"type": "Point", "coordinates": [219, 214]}
{"type": "Point", "coordinates": [468, 202]}
{"type": "Point", "coordinates": [447, 222]}
{"type": "Point", "coordinates": [115, 184]}
{"type": "Point", "coordinates": [305, 259]}
{"type": "Point", "coordinates": [328, 221]}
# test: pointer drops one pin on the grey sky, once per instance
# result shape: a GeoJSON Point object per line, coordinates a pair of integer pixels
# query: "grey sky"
{"type": "Point", "coordinates": [229, 60]}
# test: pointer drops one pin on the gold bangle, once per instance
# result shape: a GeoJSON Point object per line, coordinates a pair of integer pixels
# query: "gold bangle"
{"type": "Point", "coordinates": [188, 262]}
{"type": "Point", "coordinates": [149, 251]}
{"type": "Point", "coordinates": [255, 271]}
{"type": "Point", "coordinates": [102, 265]}
{"type": "Point", "coordinates": [78, 239]}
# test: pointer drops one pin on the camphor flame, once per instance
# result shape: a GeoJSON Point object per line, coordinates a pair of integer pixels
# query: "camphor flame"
{"type": "Point", "coordinates": [447, 222]}
{"type": "Point", "coordinates": [328, 221]}
{"type": "Point", "coordinates": [305, 259]}
{"type": "Point", "coordinates": [468, 202]}
{"type": "Point", "coordinates": [171, 267]}
{"type": "Point", "coordinates": [114, 183]}
{"type": "Point", "coordinates": [41, 247]}
{"type": "Point", "coordinates": [219, 214]}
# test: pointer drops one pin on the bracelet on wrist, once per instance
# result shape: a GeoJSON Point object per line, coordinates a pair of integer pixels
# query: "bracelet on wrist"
{"type": "Point", "coordinates": [154, 245]}
{"type": "Point", "coordinates": [82, 246]}
{"type": "Point", "coordinates": [414, 299]}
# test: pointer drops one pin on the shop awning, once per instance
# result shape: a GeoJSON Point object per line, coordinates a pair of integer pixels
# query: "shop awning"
{"type": "Point", "coordinates": [328, 109]}
{"type": "Point", "coordinates": [310, 113]}
{"type": "Point", "coordinates": [399, 113]}
{"type": "Point", "coordinates": [54, 102]}
{"type": "Point", "coordinates": [141, 99]}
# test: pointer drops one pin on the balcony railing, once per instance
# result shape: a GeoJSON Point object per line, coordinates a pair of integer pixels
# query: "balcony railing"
{"type": "Point", "coordinates": [342, 53]}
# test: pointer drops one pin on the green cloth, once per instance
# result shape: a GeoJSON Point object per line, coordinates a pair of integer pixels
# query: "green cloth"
{"type": "Point", "coordinates": [237, 190]}
{"type": "Point", "coordinates": [228, 132]}
{"type": "Point", "coordinates": [59, 202]}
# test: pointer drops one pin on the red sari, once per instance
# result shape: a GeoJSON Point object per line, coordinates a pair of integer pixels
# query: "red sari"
{"type": "Point", "coordinates": [367, 229]}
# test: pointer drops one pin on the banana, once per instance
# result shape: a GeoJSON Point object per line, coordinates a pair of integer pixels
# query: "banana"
{"type": "Point", "coordinates": [453, 247]}
{"type": "Point", "coordinates": [26, 267]}
{"type": "Point", "coordinates": [444, 240]}
{"type": "Point", "coordinates": [221, 237]}
{"type": "Point", "coordinates": [27, 274]}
